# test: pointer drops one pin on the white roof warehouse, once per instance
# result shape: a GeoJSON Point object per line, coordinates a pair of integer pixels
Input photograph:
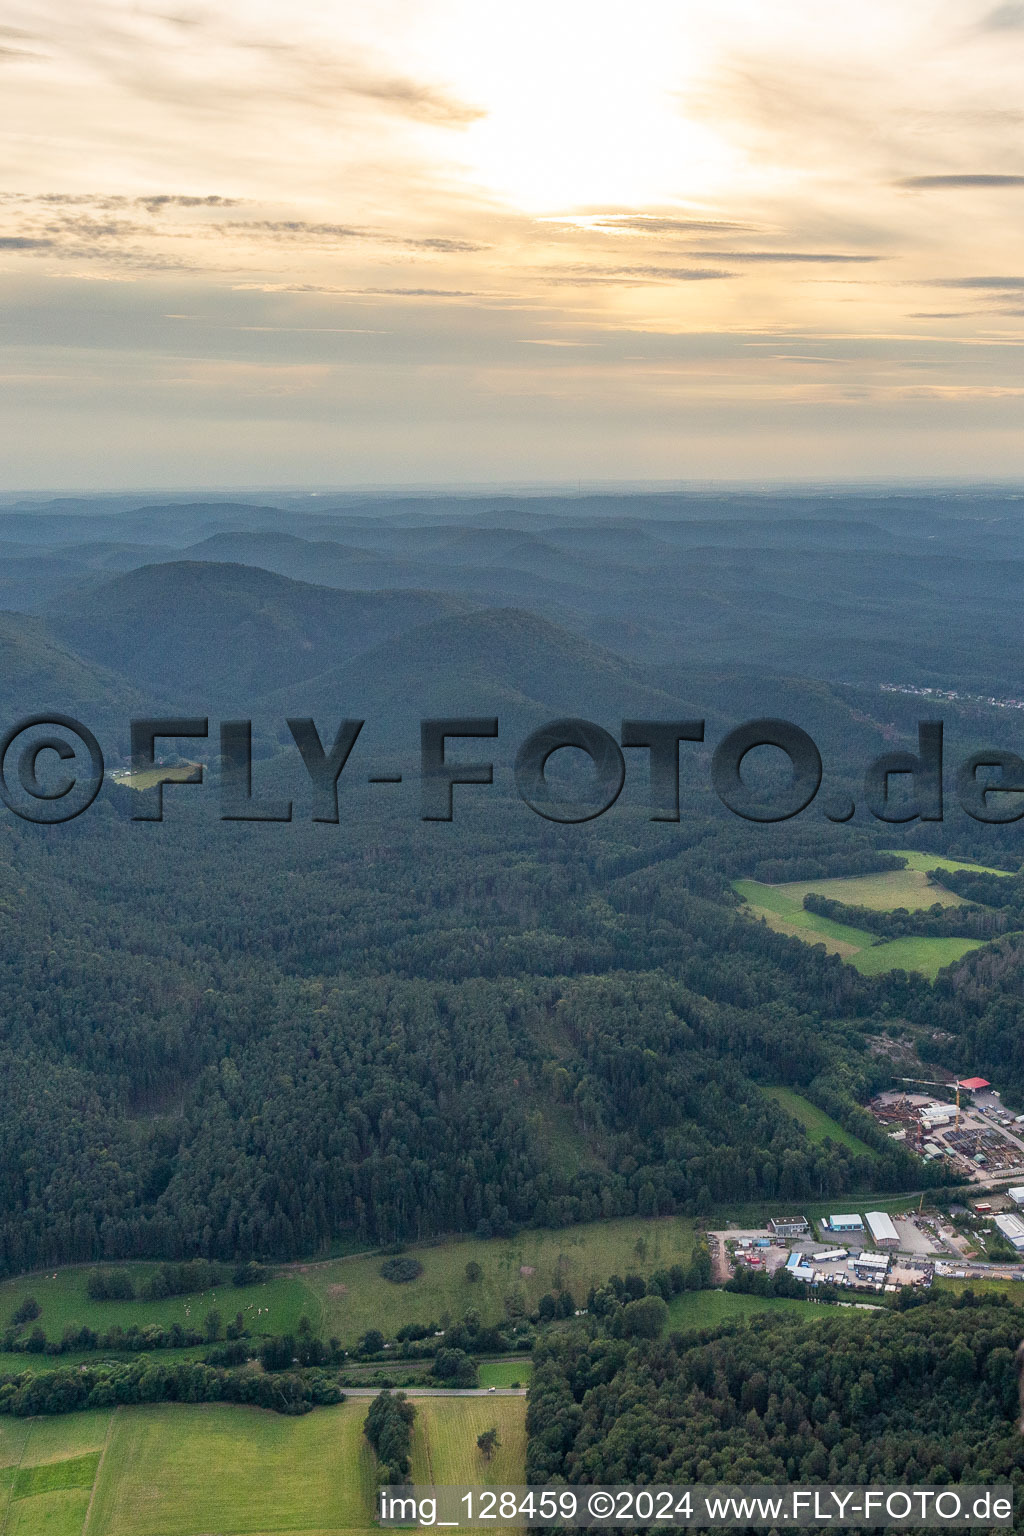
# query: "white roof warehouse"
{"type": "Point", "coordinates": [1012, 1229]}
{"type": "Point", "coordinates": [882, 1230]}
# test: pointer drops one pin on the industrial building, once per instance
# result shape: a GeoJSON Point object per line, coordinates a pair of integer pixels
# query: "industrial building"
{"type": "Point", "coordinates": [882, 1231]}
{"type": "Point", "coordinates": [799, 1270]}
{"type": "Point", "coordinates": [1017, 1195]}
{"type": "Point", "coordinates": [789, 1226]}
{"type": "Point", "coordinates": [845, 1224]}
{"type": "Point", "coordinates": [870, 1266]}
{"type": "Point", "coordinates": [937, 1114]}
{"type": "Point", "coordinates": [1012, 1229]}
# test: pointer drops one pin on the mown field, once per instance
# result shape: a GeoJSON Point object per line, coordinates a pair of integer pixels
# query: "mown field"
{"type": "Point", "coordinates": [272, 1308]}
{"type": "Point", "coordinates": [176, 774]}
{"type": "Point", "coordinates": [856, 946]}
{"type": "Point", "coordinates": [882, 892]}
{"type": "Point", "coordinates": [506, 1373]}
{"type": "Point", "coordinates": [928, 956]}
{"type": "Point", "coordinates": [706, 1309]}
{"type": "Point", "coordinates": [927, 861]}
{"type": "Point", "coordinates": [816, 1123]}
{"type": "Point", "coordinates": [172, 1470]}
{"type": "Point", "coordinates": [444, 1448]}
{"type": "Point", "coordinates": [781, 907]}
{"type": "Point", "coordinates": [344, 1297]}
{"type": "Point", "coordinates": [48, 1470]}
{"type": "Point", "coordinates": [352, 1297]}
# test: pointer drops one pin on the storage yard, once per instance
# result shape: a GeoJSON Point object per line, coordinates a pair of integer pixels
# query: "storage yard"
{"type": "Point", "coordinates": [968, 1128]}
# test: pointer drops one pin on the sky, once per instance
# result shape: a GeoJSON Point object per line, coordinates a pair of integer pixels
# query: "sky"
{"type": "Point", "coordinates": [259, 243]}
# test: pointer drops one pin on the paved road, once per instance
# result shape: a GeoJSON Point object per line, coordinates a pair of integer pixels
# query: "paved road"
{"type": "Point", "coordinates": [439, 1391]}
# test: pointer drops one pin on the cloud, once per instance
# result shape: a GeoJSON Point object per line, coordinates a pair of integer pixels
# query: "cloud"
{"type": "Point", "coordinates": [12, 40]}
{"type": "Point", "coordinates": [1004, 17]}
{"type": "Point", "coordinates": [647, 224]}
{"type": "Point", "coordinates": [301, 229]}
{"type": "Point", "coordinates": [425, 103]}
{"type": "Point", "coordinates": [349, 292]}
{"type": "Point", "coordinates": [313, 74]}
{"type": "Point", "coordinates": [640, 274]}
{"type": "Point", "coordinates": [987, 283]}
{"type": "Point", "coordinates": [105, 200]}
{"type": "Point", "coordinates": [289, 227]}
{"type": "Point", "coordinates": [22, 243]}
{"type": "Point", "coordinates": [795, 256]}
{"type": "Point", "coordinates": [445, 245]}
{"type": "Point", "coordinates": [82, 227]}
{"type": "Point", "coordinates": [985, 179]}
{"type": "Point", "coordinates": [179, 200]}
{"type": "Point", "coordinates": [419, 293]}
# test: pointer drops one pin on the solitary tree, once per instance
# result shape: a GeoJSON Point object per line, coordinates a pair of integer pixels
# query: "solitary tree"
{"type": "Point", "coordinates": [473, 1272]}
{"type": "Point", "coordinates": [488, 1442]}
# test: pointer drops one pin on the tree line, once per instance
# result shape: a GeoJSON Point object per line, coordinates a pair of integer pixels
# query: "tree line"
{"type": "Point", "coordinates": [926, 1394]}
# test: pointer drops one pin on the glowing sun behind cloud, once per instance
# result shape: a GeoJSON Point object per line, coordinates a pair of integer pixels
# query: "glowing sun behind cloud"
{"type": "Point", "coordinates": [583, 104]}
{"type": "Point", "coordinates": [461, 238]}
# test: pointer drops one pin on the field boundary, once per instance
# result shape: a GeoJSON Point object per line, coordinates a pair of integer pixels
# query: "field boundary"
{"type": "Point", "coordinates": [99, 1470]}
{"type": "Point", "coordinates": [14, 1480]}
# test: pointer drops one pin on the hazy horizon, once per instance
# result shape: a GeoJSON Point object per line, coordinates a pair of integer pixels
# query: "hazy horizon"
{"type": "Point", "coordinates": [526, 489]}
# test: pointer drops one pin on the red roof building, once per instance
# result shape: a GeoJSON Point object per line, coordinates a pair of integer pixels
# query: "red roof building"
{"type": "Point", "coordinates": [973, 1083]}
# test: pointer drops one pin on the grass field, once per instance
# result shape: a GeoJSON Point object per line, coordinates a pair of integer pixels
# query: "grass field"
{"type": "Point", "coordinates": [170, 1470]}
{"type": "Point", "coordinates": [816, 1123]}
{"type": "Point", "coordinates": [781, 907]}
{"type": "Point", "coordinates": [928, 956]}
{"type": "Point", "coordinates": [706, 1309]}
{"type": "Point", "coordinates": [346, 1296]}
{"type": "Point", "coordinates": [173, 775]}
{"type": "Point", "coordinates": [882, 892]}
{"type": "Point", "coordinates": [516, 1272]}
{"type": "Point", "coordinates": [173, 1470]}
{"type": "Point", "coordinates": [444, 1448]}
{"type": "Point", "coordinates": [982, 1288]}
{"type": "Point", "coordinates": [47, 1472]}
{"type": "Point", "coordinates": [506, 1373]}
{"type": "Point", "coordinates": [786, 915]}
{"type": "Point", "coordinates": [274, 1307]}
{"type": "Point", "coordinates": [925, 861]}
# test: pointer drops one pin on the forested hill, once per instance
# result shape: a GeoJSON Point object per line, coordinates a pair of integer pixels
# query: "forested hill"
{"type": "Point", "coordinates": [928, 1396]}
{"type": "Point", "coordinates": [235, 1039]}
{"type": "Point", "coordinates": [243, 1039]}
{"type": "Point", "coordinates": [856, 586]}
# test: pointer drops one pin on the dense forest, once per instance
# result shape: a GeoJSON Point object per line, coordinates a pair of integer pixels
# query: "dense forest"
{"type": "Point", "coordinates": [533, 1028]}
{"type": "Point", "coordinates": [238, 1041]}
{"type": "Point", "coordinates": [923, 1396]}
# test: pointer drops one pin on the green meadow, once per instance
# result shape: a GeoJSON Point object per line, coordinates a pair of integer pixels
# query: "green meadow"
{"type": "Point", "coordinates": [706, 1309]}
{"type": "Point", "coordinates": [346, 1296]}
{"type": "Point", "coordinates": [926, 861]}
{"type": "Point", "coordinates": [351, 1296]}
{"type": "Point", "coordinates": [444, 1448]}
{"type": "Point", "coordinates": [815, 1122]}
{"type": "Point", "coordinates": [781, 907]}
{"type": "Point", "coordinates": [506, 1373]}
{"type": "Point", "coordinates": [177, 1470]}
{"type": "Point", "coordinates": [273, 1307]}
